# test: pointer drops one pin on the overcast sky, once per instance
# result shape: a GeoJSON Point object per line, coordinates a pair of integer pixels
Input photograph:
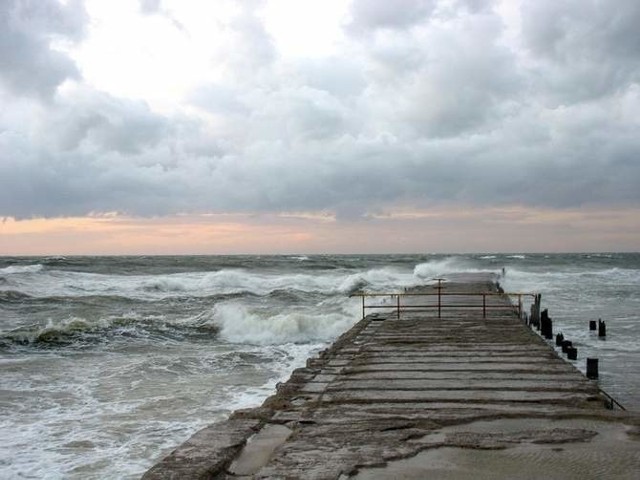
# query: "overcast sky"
{"type": "Point", "coordinates": [190, 126]}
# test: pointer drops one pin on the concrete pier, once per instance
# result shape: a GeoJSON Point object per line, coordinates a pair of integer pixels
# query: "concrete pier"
{"type": "Point", "coordinates": [459, 396]}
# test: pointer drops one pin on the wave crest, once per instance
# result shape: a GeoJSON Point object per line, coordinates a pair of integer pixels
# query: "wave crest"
{"type": "Point", "coordinates": [438, 268]}
{"type": "Point", "coordinates": [82, 331]}
{"type": "Point", "coordinates": [240, 325]}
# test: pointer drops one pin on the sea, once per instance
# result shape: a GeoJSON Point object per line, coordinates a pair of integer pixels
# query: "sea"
{"type": "Point", "coordinates": [108, 363]}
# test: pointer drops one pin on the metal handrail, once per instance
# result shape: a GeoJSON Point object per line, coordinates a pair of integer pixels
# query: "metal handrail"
{"type": "Point", "coordinates": [440, 305]}
{"type": "Point", "coordinates": [612, 401]}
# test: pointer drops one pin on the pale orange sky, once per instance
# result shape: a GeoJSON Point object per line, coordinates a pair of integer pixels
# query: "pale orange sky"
{"type": "Point", "coordinates": [439, 231]}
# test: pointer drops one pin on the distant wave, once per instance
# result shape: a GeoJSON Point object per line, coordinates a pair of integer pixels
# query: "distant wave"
{"type": "Point", "coordinates": [59, 283]}
{"type": "Point", "coordinates": [538, 281]}
{"type": "Point", "coordinates": [55, 260]}
{"type": "Point", "coordinates": [443, 267]}
{"type": "Point", "coordinates": [16, 269]}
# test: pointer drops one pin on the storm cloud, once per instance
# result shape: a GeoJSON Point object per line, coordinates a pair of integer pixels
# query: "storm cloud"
{"type": "Point", "coordinates": [29, 65]}
{"type": "Point", "coordinates": [426, 103]}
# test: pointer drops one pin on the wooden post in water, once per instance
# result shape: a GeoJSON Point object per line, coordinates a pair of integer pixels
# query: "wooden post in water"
{"type": "Point", "coordinates": [602, 328]}
{"type": "Point", "coordinates": [592, 368]}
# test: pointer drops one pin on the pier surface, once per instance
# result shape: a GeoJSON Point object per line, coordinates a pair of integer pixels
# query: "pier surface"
{"type": "Point", "coordinates": [461, 396]}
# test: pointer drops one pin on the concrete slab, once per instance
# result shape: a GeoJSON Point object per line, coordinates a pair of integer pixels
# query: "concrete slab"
{"type": "Point", "coordinates": [468, 383]}
{"type": "Point", "coordinates": [259, 449]}
{"type": "Point", "coordinates": [498, 395]}
{"type": "Point", "coordinates": [461, 366]}
{"type": "Point", "coordinates": [206, 452]}
{"type": "Point", "coordinates": [523, 449]}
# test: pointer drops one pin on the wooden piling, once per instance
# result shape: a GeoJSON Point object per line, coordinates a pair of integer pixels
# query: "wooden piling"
{"type": "Point", "coordinates": [592, 368]}
{"type": "Point", "coordinates": [602, 329]}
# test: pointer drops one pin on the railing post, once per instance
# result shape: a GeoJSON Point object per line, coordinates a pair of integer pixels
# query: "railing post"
{"type": "Point", "coordinates": [519, 306]}
{"type": "Point", "coordinates": [398, 306]}
{"type": "Point", "coordinates": [363, 315]}
{"type": "Point", "coordinates": [484, 305]}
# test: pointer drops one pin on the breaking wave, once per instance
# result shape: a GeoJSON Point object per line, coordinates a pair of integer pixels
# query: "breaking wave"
{"type": "Point", "coordinates": [80, 331]}
{"type": "Point", "coordinates": [441, 268]}
{"type": "Point", "coordinates": [238, 324]}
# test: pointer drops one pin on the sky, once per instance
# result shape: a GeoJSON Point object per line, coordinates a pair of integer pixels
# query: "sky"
{"type": "Point", "coordinates": [340, 126]}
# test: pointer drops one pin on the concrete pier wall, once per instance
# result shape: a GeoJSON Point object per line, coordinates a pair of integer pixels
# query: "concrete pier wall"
{"type": "Point", "coordinates": [390, 395]}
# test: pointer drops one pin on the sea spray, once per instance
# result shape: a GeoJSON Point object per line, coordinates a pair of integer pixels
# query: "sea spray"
{"type": "Point", "coordinates": [428, 271]}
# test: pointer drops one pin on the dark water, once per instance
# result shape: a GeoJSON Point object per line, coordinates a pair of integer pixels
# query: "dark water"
{"type": "Point", "coordinates": [108, 362]}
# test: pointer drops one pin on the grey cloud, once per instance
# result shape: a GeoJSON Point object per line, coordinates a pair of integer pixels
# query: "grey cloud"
{"type": "Point", "coordinates": [104, 122]}
{"type": "Point", "coordinates": [219, 99]}
{"type": "Point", "coordinates": [150, 6]}
{"type": "Point", "coordinates": [338, 76]}
{"type": "Point", "coordinates": [299, 114]}
{"type": "Point", "coordinates": [475, 6]}
{"type": "Point", "coordinates": [373, 14]}
{"type": "Point", "coordinates": [585, 49]}
{"type": "Point", "coordinates": [250, 48]}
{"type": "Point", "coordinates": [28, 64]}
{"type": "Point", "coordinates": [348, 175]}
{"type": "Point", "coordinates": [457, 81]}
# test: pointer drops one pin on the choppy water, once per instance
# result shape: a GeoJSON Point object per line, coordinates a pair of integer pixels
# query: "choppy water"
{"type": "Point", "coordinates": [109, 362]}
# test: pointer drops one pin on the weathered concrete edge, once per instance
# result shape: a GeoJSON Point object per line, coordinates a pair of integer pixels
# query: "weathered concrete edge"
{"type": "Point", "coordinates": [210, 451]}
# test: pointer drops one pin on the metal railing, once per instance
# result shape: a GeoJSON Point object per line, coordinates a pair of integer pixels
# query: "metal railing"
{"type": "Point", "coordinates": [440, 304]}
